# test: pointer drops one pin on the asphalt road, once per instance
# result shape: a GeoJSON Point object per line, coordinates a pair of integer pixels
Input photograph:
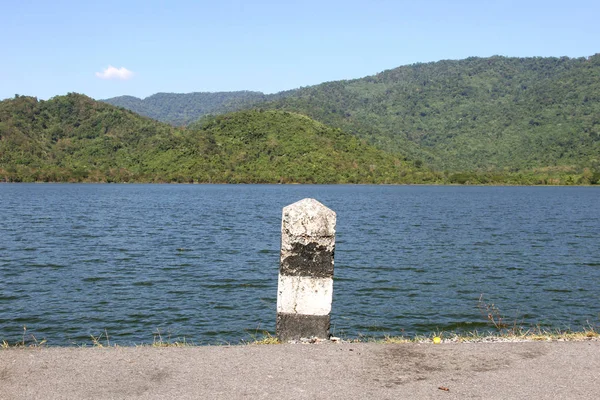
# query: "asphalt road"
{"type": "Point", "coordinates": [537, 370]}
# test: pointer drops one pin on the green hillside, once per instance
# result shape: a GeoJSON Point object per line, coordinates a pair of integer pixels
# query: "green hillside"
{"type": "Point", "coordinates": [182, 108]}
{"type": "Point", "coordinates": [475, 116]}
{"type": "Point", "coordinates": [74, 138]}
{"type": "Point", "coordinates": [478, 114]}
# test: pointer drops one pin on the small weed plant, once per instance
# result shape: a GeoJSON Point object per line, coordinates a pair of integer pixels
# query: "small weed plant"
{"type": "Point", "coordinates": [27, 341]}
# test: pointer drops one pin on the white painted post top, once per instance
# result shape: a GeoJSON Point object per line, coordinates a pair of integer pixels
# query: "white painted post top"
{"type": "Point", "coordinates": [308, 218]}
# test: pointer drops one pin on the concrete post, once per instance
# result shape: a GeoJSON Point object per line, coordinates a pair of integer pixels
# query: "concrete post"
{"type": "Point", "coordinates": [305, 288]}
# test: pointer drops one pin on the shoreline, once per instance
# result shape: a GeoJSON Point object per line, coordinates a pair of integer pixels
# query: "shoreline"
{"type": "Point", "coordinates": [510, 336]}
{"type": "Point", "coordinates": [298, 184]}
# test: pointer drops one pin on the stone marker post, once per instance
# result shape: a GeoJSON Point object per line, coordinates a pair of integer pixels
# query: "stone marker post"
{"type": "Point", "coordinates": [305, 288]}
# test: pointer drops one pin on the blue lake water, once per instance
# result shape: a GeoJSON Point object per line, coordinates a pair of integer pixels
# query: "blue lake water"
{"type": "Point", "coordinates": [201, 262]}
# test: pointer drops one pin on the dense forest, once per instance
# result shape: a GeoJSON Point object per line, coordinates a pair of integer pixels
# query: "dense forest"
{"type": "Point", "coordinates": [495, 115]}
{"type": "Point", "coordinates": [494, 120]}
{"type": "Point", "coordinates": [73, 138]}
{"type": "Point", "coordinates": [478, 114]}
{"type": "Point", "coordinates": [183, 108]}
{"type": "Point", "coordinates": [76, 139]}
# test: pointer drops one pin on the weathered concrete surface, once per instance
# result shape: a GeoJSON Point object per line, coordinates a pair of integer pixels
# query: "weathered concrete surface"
{"type": "Point", "coordinates": [307, 239]}
{"type": "Point", "coordinates": [536, 370]}
{"type": "Point", "coordinates": [302, 326]}
{"type": "Point", "coordinates": [304, 295]}
{"type": "Point", "coordinates": [305, 287]}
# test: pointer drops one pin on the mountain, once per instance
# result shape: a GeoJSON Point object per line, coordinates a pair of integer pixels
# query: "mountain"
{"type": "Point", "coordinates": [477, 114]}
{"type": "Point", "coordinates": [77, 139]}
{"type": "Point", "coordinates": [180, 109]}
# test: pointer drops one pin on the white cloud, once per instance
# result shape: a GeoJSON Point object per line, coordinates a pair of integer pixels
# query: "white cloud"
{"type": "Point", "coordinates": [115, 73]}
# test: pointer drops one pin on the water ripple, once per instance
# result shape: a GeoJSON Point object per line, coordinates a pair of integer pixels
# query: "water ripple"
{"type": "Point", "coordinates": [201, 261]}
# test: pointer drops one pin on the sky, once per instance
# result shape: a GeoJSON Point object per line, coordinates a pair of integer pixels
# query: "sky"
{"type": "Point", "coordinates": [109, 48]}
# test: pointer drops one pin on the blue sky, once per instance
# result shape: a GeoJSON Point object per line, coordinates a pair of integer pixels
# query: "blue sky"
{"type": "Point", "coordinates": [54, 47]}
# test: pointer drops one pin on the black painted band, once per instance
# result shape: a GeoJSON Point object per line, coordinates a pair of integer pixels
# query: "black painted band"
{"type": "Point", "coordinates": [310, 260]}
{"type": "Point", "coordinates": [296, 326]}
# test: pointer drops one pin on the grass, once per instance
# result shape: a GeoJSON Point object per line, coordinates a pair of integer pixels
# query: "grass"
{"type": "Point", "coordinates": [261, 338]}
{"type": "Point", "coordinates": [265, 338]}
{"type": "Point", "coordinates": [97, 341]}
{"type": "Point", "coordinates": [25, 343]}
{"type": "Point", "coordinates": [500, 331]}
{"type": "Point", "coordinates": [158, 341]}
{"type": "Point", "coordinates": [103, 341]}
{"type": "Point", "coordinates": [506, 335]}
{"type": "Point", "coordinates": [503, 331]}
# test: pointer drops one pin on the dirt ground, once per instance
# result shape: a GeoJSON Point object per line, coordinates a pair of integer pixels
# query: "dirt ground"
{"type": "Point", "coordinates": [540, 370]}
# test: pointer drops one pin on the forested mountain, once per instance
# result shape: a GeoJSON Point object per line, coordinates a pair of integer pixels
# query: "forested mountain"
{"type": "Point", "coordinates": [477, 114]}
{"type": "Point", "coordinates": [74, 138]}
{"type": "Point", "coordinates": [478, 120]}
{"type": "Point", "coordinates": [493, 114]}
{"type": "Point", "coordinates": [182, 108]}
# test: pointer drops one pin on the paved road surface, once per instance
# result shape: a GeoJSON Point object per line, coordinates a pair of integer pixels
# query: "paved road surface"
{"type": "Point", "coordinates": [536, 370]}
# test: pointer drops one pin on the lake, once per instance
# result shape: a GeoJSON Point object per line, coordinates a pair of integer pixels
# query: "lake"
{"type": "Point", "coordinates": [201, 262]}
